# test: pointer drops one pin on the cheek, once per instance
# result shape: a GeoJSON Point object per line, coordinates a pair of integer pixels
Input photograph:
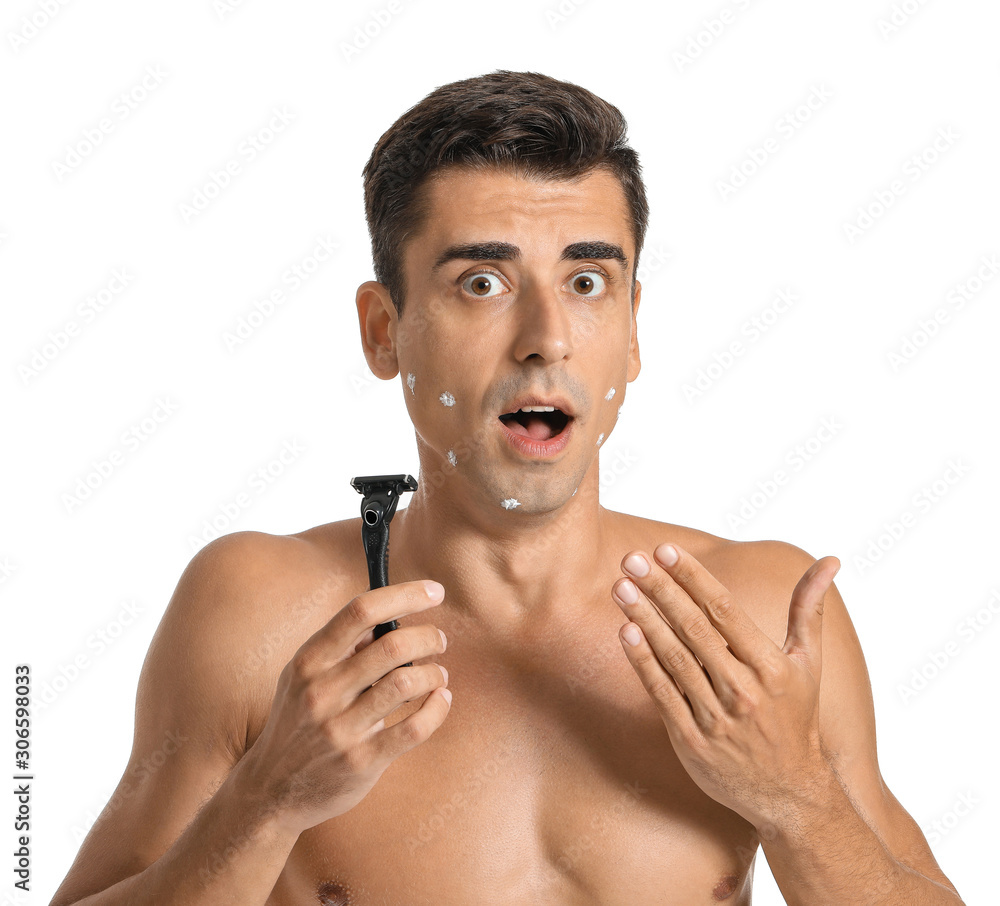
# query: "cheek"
{"type": "Point", "coordinates": [609, 396]}
{"type": "Point", "coordinates": [443, 374]}
{"type": "Point", "coordinates": [439, 405]}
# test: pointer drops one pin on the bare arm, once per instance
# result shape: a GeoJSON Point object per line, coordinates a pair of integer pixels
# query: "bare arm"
{"type": "Point", "coordinates": [194, 820]}
{"type": "Point", "coordinates": [854, 841]}
{"type": "Point", "coordinates": [232, 852]}
{"type": "Point", "coordinates": [165, 834]}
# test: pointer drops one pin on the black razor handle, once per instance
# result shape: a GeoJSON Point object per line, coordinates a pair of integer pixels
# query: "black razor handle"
{"type": "Point", "coordinates": [380, 495]}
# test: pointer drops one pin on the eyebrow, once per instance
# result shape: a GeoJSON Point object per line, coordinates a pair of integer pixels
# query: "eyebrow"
{"type": "Point", "coordinates": [506, 251]}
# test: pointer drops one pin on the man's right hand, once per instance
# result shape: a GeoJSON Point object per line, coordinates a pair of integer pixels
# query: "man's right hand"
{"type": "Point", "coordinates": [325, 742]}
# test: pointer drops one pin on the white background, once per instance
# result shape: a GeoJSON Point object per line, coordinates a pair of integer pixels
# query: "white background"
{"type": "Point", "coordinates": [710, 264]}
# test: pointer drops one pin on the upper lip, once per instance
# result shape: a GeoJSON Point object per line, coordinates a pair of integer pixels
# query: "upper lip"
{"type": "Point", "coordinates": [558, 402]}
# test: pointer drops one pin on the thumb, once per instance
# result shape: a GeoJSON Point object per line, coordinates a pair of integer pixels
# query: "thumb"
{"type": "Point", "coordinates": [805, 614]}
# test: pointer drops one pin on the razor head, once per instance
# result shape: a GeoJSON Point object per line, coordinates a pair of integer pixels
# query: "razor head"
{"type": "Point", "coordinates": [365, 484]}
{"type": "Point", "coordinates": [381, 494]}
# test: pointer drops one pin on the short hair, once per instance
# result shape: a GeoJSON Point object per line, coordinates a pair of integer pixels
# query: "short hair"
{"type": "Point", "coordinates": [524, 122]}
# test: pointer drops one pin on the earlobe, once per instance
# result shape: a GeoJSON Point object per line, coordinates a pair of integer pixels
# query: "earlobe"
{"type": "Point", "coordinates": [377, 320]}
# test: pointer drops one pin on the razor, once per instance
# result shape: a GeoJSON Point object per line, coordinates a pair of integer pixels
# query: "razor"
{"type": "Point", "coordinates": [380, 494]}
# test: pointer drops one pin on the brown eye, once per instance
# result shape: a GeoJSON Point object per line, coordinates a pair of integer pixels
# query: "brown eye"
{"type": "Point", "coordinates": [585, 284]}
{"type": "Point", "coordinates": [484, 284]}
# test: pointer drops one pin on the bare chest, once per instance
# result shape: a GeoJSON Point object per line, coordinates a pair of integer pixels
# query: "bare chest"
{"type": "Point", "coordinates": [551, 781]}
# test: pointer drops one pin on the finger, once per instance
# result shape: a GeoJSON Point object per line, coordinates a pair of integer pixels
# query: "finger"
{"type": "Point", "coordinates": [661, 651]}
{"type": "Point", "coordinates": [402, 685]}
{"type": "Point", "coordinates": [805, 614]}
{"type": "Point", "coordinates": [389, 743]}
{"type": "Point", "coordinates": [366, 640]}
{"type": "Point", "coordinates": [744, 637]}
{"type": "Point", "coordinates": [691, 625]}
{"type": "Point", "coordinates": [340, 637]}
{"type": "Point", "coordinates": [658, 682]}
{"type": "Point", "coordinates": [379, 661]}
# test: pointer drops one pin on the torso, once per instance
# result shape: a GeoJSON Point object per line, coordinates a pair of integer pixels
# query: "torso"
{"type": "Point", "coordinates": [552, 780]}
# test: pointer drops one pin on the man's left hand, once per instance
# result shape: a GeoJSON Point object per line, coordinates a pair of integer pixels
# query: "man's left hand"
{"type": "Point", "coordinates": [742, 714]}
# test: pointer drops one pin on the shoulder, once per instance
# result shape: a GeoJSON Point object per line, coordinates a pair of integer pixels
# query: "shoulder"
{"type": "Point", "coordinates": [243, 568]}
{"type": "Point", "coordinates": [760, 574]}
{"type": "Point", "coordinates": [646, 534]}
{"type": "Point", "coordinates": [241, 608]}
{"type": "Point", "coordinates": [250, 585]}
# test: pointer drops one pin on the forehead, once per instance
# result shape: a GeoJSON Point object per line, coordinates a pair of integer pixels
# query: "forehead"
{"type": "Point", "coordinates": [543, 215]}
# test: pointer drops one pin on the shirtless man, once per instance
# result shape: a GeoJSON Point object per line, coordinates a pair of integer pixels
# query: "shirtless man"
{"type": "Point", "coordinates": [302, 763]}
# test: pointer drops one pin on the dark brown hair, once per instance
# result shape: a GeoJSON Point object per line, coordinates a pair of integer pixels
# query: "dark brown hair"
{"type": "Point", "coordinates": [525, 122]}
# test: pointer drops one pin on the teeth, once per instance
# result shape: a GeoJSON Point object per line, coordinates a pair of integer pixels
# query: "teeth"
{"type": "Point", "coordinates": [537, 409]}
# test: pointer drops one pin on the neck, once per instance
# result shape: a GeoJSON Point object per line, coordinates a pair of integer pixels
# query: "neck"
{"type": "Point", "coordinates": [503, 568]}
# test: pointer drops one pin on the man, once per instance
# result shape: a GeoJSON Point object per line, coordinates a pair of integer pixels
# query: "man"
{"type": "Point", "coordinates": [308, 765]}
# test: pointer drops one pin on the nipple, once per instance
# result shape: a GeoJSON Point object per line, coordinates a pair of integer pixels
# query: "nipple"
{"type": "Point", "coordinates": [726, 887]}
{"type": "Point", "coordinates": [330, 894]}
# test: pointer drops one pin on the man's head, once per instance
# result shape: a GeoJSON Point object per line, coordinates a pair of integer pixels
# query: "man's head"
{"type": "Point", "coordinates": [520, 291]}
{"type": "Point", "coordinates": [530, 123]}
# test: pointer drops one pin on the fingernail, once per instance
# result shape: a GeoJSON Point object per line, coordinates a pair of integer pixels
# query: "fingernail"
{"type": "Point", "coordinates": [435, 590]}
{"type": "Point", "coordinates": [628, 592]}
{"type": "Point", "coordinates": [666, 554]}
{"type": "Point", "coordinates": [444, 670]}
{"type": "Point", "coordinates": [447, 695]}
{"type": "Point", "coordinates": [444, 639]}
{"type": "Point", "coordinates": [637, 566]}
{"type": "Point", "coordinates": [631, 635]}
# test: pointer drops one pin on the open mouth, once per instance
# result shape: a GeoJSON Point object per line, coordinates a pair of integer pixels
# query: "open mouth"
{"type": "Point", "coordinates": [536, 425]}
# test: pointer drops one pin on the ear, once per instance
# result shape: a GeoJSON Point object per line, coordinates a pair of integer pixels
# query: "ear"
{"type": "Point", "coordinates": [633, 344]}
{"type": "Point", "coordinates": [378, 319]}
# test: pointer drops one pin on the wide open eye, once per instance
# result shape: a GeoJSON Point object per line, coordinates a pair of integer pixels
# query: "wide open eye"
{"type": "Point", "coordinates": [588, 283]}
{"type": "Point", "coordinates": [483, 284]}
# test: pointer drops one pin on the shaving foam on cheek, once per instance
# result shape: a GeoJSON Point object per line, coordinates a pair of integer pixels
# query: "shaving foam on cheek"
{"type": "Point", "coordinates": [510, 503]}
{"type": "Point", "coordinates": [609, 394]}
{"type": "Point", "coordinates": [447, 399]}
{"type": "Point", "coordinates": [452, 458]}
{"type": "Point", "coordinates": [410, 380]}
{"type": "Point", "coordinates": [600, 439]}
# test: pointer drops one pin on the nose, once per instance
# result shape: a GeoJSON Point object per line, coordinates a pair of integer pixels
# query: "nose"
{"type": "Point", "coordinates": [544, 328]}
